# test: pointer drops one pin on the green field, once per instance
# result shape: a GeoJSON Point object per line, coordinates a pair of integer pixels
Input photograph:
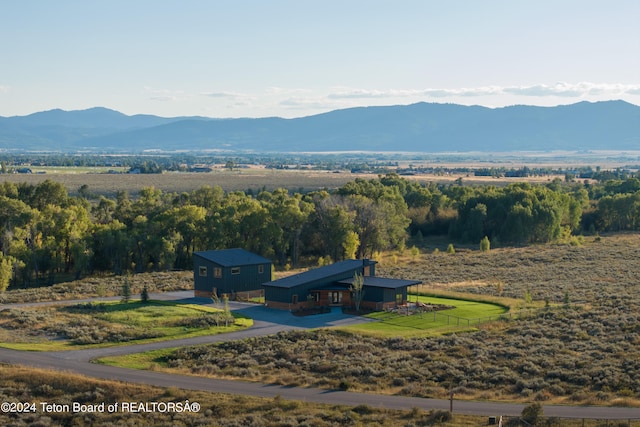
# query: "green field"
{"type": "Point", "coordinates": [464, 316]}
{"type": "Point", "coordinates": [389, 324]}
{"type": "Point", "coordinates": [91, 325]}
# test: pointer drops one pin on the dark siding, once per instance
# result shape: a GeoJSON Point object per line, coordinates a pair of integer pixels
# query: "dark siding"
{"type": "Point", "coordinates": [203, 283]}
{"type": "Point", "coordinates": [247, 280]}
{"type": "Point", "coordinates": [277, 294]}
{"type": "Point", "coordinates": [284, 295]}
{"type": "Point", "coordinates": [373, 294]}
{"type": "Point", "coordinates": [389, 295]}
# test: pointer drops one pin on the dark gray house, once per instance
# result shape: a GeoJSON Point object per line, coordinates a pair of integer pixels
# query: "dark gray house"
{"type": "Point", "coordinates": [330, 286]}
{"type": "Point", "coordinates": [236, 272]}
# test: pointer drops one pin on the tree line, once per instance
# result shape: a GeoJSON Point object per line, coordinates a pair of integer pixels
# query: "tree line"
{"type": "Point", "coordinates": [45, 232]}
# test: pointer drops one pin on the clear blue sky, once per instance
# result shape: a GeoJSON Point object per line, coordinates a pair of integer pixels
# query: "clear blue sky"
{"type": "Point", "coordinates": [292, 58]}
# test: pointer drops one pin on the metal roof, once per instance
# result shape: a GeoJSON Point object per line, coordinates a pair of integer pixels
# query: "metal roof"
{"type": "Point", "coordinates": [319, 273]}
{"type": "Point", "coordinates": [233, 257]}
{"type": "Point", "coordinates": [383, 282]}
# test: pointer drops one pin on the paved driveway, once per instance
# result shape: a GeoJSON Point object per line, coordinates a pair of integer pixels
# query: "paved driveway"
{"type": "Point", "coordinates": [265, 322]}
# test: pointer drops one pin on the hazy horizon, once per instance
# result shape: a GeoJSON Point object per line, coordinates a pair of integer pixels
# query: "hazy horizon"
{"type": "Point", "coordinates": [323, 112]}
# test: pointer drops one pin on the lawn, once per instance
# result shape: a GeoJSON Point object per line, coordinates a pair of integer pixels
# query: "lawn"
{"type": "Point", "coordinates": [89, 325]}
{"type": "Point", "coordinates": [464, 315]}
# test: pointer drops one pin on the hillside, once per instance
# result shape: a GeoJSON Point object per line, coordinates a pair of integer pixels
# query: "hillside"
{"type": "Point", "coordinates": [422, 127]}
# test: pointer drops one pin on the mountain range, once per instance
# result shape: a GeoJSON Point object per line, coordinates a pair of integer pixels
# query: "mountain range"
{"type": "Point", "coordinates": [421, 127]}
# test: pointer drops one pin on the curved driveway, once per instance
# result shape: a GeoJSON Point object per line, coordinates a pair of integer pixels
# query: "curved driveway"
{"type": "Point", "coordinates": [267, 321]}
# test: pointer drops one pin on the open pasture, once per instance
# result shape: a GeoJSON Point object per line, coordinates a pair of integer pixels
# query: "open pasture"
{"type": "Point", "coordinates": [99, 324]}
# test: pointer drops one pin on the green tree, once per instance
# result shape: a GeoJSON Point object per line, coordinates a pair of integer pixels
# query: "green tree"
{"type": "Point", "coordinates": [351, 244]}
{"type": "Point", "coordinates": [111, 247]}
{"type": "Point", "coordinates": [288, 214]}
{"type": "Point", "coordinates": [329, 225]}
{"type": "Point", "coordinates": [485, 244]}
{"type": "Point", "coordinates": [6, 271]}
{"type": "Point", "coordinates": [475, 226]}
{"type": "Point", "coordinates": [126, 291]}
{"type": "Point", "coordinates": [414, 251]}
{"type": "Point", "coordinates": [186, 222]}
{"type": "Point", "coordinates": [144, 295]}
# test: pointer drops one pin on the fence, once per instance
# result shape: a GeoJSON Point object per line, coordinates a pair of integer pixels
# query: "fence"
{"type": "Point", "coordinates": [450, 319]}
{"type": "Point", "coordinates": [567, 422]}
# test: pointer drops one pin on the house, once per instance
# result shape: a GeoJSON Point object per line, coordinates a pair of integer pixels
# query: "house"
{"type": "Point", "coordinates": [330, 286]}
{"type": "Point", "coordinates": [235, 272]}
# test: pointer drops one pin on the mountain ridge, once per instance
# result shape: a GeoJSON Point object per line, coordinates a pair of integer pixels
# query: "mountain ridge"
{"type": "Point", "coordinates": [420, 127]}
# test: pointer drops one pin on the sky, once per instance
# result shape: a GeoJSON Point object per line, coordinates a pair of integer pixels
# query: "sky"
{"type": "Point", "coordinates": [294, 58]}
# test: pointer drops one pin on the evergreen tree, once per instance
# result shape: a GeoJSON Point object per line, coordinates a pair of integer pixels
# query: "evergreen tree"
{"type": "Point", "coordinates": [144, 296]}
{"type": "Point", "coordinates": [126, 291]}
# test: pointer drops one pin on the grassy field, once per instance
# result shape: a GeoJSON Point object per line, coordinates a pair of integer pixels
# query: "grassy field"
{"type": "Point", "coordinates": [464, 315]}
{"type": "Point", "coordinates": [86, 325]}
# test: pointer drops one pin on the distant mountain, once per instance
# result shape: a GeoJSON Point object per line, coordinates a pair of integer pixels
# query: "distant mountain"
{"type": "Point", "coordinates": [422, 127]}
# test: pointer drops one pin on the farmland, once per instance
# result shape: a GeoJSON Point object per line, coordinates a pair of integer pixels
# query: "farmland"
{"type": "Point", "coordinates": [109, 185]}
{"type": "Point", "coordinates": [253, 179]}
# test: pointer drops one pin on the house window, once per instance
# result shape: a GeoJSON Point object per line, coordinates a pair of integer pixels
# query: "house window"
{"type": "Point", "coordinates": [217, 272]}
{"type": "Point", "coordinates": [260, 269]}
{"type": "Point", "coordinates": [235, 270]}
{"type": "Point", "coordinates": [399, 298]}
{"type": "Point", "coordinates": [335, 297]}
{"type": "Point", "coordinates": [202, 271]}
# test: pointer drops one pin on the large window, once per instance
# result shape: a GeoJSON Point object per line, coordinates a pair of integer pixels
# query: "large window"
{"type": "Point", "coordinates": [399, 298]}
{"type": "Point", "coordinates": [335, 297]}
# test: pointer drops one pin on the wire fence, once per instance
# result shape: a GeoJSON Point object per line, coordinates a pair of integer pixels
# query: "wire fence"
{"type": "Point", "coordinates": [565, 422]}
{"type": "Point", "coordinates": [439, 316]}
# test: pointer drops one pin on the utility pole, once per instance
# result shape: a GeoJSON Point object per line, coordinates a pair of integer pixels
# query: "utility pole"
{"type": "Point", "coordinates": [451, 401]}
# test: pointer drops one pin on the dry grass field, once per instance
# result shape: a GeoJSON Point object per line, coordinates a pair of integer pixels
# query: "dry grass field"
{"type": "Point", "coordinates": [31, 385]}
{"type": "Point", "coordinates": [254, 179]}
{"type": "Point", "coordinates": [237, 180]}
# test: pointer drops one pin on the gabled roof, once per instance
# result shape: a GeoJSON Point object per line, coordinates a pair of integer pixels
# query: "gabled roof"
{"type": "Point", "coordinates": [383, 282]}
{"type": "Point", "coordinates": [232, 257]}
{"type": "Point", "coordinates": [319, 273]}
